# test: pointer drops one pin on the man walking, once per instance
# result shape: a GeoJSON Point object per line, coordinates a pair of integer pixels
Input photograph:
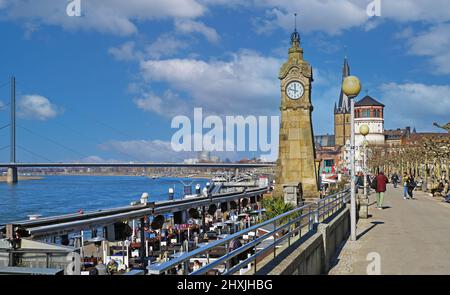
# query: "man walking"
{"type": "Point", "coordinates": [395, 179]}
{"type": "Point", "coordinates": [381, 188]}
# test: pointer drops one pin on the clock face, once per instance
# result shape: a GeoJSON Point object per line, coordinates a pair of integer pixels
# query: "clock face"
{"type": "Point", "coordinates": [295, 90]}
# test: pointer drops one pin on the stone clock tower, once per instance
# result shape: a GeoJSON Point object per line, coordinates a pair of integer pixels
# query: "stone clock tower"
{"type": "Point", "coordinates": [296, 158]}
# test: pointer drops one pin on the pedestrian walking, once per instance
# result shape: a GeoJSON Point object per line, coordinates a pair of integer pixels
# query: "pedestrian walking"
{"type": "Point", "coordinates": [411, 186]}
{"type": "Point", "coordinates": [405, 182]}
{"type": "Point", "coordinates": [395, 179]}
{"type": "Point", "coordinates": [359, 181]}
{"type": "Point", "coordinates": [381, 181]}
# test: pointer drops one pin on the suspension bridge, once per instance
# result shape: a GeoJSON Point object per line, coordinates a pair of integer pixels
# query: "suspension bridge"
{"type": "Point", "coordinates": [13, 165]}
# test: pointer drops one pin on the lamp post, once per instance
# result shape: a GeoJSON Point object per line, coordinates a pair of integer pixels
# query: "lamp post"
{"type": "Point", "coordinates": [364, 130]}
{"type": "Point", "coordinates": [352, 87]}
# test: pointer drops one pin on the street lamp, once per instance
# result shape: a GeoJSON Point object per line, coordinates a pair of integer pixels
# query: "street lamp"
{"type": "Point", "coordinates": [352, 87]}
{"type": "Point", "coordinates": [364, 130]}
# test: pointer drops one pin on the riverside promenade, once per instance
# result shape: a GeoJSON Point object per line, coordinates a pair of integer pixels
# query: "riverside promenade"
{"type": "Point", "coordinates": [412, 237]}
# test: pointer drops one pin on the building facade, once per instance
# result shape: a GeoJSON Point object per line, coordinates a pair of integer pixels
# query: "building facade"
{"type": "Point", "coordinates": [370, 112]}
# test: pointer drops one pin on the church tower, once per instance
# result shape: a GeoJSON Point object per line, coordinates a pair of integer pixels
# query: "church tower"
{"type": "Point", "coordinates": [296, 159]}
{"type": "Point", "coordinates": [342, 112]}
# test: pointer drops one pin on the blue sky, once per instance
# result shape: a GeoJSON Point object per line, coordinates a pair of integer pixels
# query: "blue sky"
{"type": "Point", "coordinates": [106, 85]}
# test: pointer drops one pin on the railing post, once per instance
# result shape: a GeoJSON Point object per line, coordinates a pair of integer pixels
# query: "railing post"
{"type": "Point", "coordinates": [310, 220]}
{"type": "Point", "coordinates": [316, 214]}
{"type": "Point", "coordinates": [186, 267]}
{"type": "Point", "coordinates": [255, 260]}
{"type": "Point", "coordinates": [289, 231]}
{"type": "Point", "coordinates": [11, 261]}
{"type": "Point", "coordinates": [274, 239]}
{"type": "Point", "coordinates": [227, 263]}
{"type": "Point", "coordinates": [47, 259]}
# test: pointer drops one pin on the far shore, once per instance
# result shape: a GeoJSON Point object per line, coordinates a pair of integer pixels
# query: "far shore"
{"type": "Point", "coordinates": [38, 177]}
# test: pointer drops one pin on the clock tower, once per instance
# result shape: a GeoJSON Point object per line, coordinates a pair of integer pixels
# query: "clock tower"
{"type": "Point", "coordinates": [296, 158]}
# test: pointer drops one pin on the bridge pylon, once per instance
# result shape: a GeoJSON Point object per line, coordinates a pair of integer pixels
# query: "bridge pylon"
{"type": "Point", "coordinates": [12, 175]}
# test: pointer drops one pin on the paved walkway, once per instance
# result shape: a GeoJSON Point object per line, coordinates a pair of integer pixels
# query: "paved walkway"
{"type": "Point", "coordinates": [411, 237]}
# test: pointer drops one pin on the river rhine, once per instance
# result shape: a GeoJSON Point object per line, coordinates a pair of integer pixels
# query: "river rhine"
{"type": "Point", "coordinates": [54, 195]}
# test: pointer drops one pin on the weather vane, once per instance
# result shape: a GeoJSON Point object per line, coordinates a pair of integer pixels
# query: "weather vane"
{"type": "Point", "coordinates": [295, 21]}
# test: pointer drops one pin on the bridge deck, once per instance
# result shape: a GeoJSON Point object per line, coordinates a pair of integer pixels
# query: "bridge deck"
{"type": "Point", "coordinates": [411, 236]}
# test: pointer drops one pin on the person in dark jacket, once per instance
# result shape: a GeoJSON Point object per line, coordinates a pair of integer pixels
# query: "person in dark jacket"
{"type": "Point", "coordinates": [381, 188]}
{"type": "Point", "coordinates": [395, 179]}
{"type": "Point", "coordinates": [411, 186]}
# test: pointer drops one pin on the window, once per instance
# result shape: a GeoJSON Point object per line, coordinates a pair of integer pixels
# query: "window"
{"type": "Point", "coordinates": [329, 163]}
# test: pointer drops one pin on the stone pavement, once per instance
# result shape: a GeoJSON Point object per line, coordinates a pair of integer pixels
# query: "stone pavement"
{"type": "Point", "coordinates": [410, 236]}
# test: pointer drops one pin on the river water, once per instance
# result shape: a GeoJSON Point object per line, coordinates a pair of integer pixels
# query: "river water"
{"type": "Point", "coordinates": [67, 194]}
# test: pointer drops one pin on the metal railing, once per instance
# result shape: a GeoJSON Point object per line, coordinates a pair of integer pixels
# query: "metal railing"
{"type": "Point", "coordinates": [272, 232]}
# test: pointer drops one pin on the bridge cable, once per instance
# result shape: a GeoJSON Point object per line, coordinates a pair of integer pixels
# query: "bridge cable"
{"type": "Point", "coordinates": [3, 107]}
{"type": "Point", "coordinates": [5, 126]}
{"type": "Point", "coordinates": [100, 123]}
{"type": "Point", "coordinates": [80, 133]}
{"type": "Point", "coordinates": [35, 154]}
{"type": "Point", "coordinates": [53, 141]}
{"type": "Point", "coordinates": [4, 148]}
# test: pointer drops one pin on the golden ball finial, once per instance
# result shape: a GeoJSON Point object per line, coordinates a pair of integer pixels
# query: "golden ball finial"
{"type": "Point", "coordinates": [351, 86]}
{"type": "Point", "coordinates": [364, 130]}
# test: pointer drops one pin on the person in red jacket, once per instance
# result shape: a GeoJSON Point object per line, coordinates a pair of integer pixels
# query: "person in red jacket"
{"type": "Point", "coordinates": [381, 188]}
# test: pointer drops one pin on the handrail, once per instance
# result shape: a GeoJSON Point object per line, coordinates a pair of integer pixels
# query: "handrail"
{"type": "Point", "coordinates": [329, 204]}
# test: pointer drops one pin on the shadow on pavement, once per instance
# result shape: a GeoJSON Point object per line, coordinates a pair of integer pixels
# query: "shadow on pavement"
{"type": "Point", "coordinates": [374, 223]}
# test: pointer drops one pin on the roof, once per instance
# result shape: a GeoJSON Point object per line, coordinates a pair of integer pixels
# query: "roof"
{"type": "Point", "coordinates": [368, 101]}
{"type": "Point", "coordinates": [343, 106]}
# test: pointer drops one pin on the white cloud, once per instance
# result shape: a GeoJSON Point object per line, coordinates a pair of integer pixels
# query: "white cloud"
{"type": "Point", "coordinates": [328, 16]}
{"type": "Point", "coordinates": [434, 44]}
{"type": "Point", "coordinates": [165, 45]}
{"type": "Point", "coordinates": [432, 11]}
{"type": "Point", "coordinates": [169, 105]}
{"type": "Point", "coordinates": [97, 159]}
{"type": "Point", "coordinates": [2, 105]}
{"type": "Point", "coordinates": [416, 103]}
{"type": "Point", "coordinates": [190, 26]}
{"type": "Point", "coordinates": [112, 16]}
{"type": "Point", "coordinates": [120, 17]}
{"type": "Point", "coordinates": [125, 52]}
{"type": "Point", "coordinates": [246, 83]}
{"type": "Point", "coordinates": [335, 16]}
{"type": "Point", "coordinates": [148, 150]}
{"type": "Point", "coordinates": [37, 107]}
{"type": "Point", "coordinates": [159, 151]}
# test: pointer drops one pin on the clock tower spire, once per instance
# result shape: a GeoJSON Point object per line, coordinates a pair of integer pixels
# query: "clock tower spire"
{"type": "Point", "coordinates": [296, 158]}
